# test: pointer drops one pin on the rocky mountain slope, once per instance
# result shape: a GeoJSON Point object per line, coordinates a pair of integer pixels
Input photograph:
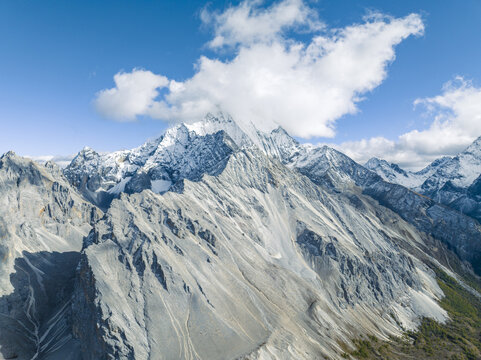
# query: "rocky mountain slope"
{"type": "Point", "coordinates": [330, 168]}
{"type": "Point", "coordinates": [256, 262]}
{"type": "Point", "coordinates": [42, 225]}
{"type": "Point", "coordinates": [452, 181]}
{"type": "Point", "coordinates": [218, 242]}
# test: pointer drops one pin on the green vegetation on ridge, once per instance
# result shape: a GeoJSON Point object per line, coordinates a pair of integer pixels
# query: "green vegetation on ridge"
{"type": "Point", "coordinates": [459, 338]}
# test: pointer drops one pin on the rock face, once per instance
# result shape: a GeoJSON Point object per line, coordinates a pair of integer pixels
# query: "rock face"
{"type": "Point", "coordinates": [328, 167]}
{"type": "Point", "coordinates": [42, 224]}
{"type": "Point", "coordinates": [450, 181]}
{"type": "Point", "coordinates": [217, 242]}
{"type": "Point", "coordinates": [257, 261]}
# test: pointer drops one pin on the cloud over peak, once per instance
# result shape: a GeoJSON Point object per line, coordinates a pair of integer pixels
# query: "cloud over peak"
{"type": "Point", "coordinates": [272, 78]}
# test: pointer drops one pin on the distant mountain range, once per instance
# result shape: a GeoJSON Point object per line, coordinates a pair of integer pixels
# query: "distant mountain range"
{"type": "Point", "coordinates": [452, 181]}
{"type": "Point", "coordinates": [220, 241]}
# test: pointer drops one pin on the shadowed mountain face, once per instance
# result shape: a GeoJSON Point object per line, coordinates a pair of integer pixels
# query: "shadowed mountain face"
{"type": "Point", "coordinates": [42, 224]}
{"type": "Point", "coordinates": [216, 243]}
{"type": "Point", "coordinates": [36, 317]}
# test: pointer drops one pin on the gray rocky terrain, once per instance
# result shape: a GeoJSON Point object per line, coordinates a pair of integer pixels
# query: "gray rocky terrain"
{"type": "Point", "coordinates": [259, 258]}
{"type": "Point", "coordinates": [43, 221]}
{"type": "Point", "coordinates": [216, 242]}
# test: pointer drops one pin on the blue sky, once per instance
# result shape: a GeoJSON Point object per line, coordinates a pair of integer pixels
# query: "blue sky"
{"type": "Point", "coordinates": [57, 55]}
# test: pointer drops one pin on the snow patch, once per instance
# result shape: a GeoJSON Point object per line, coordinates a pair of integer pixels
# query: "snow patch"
{"type": "Point", "coordinates": [120, 187]}
{"type": "Point", "coordinates": [161, 186]}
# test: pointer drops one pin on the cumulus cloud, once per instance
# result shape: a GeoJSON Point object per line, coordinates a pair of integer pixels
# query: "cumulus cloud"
{"type": "Point", "coordinates": [248, 24]}
{"type": "Point", "coordinates": [134, 94]}
{"type": "Point", "coordinates": [456, 122]}
{"type": "Point", "coordinates": [271, 79]}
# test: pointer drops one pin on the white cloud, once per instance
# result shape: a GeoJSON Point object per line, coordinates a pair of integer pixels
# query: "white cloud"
{"type": "Point", "coordinates": [134, 94]}
{"type": "Point", "coordinates": [60, 160]}
{"type": "Point", "coordinates": [248, 23]}
{"type": "Point", "coordinates": [272, 78]}
{"type": "Point", "coordinates": [456, 123]}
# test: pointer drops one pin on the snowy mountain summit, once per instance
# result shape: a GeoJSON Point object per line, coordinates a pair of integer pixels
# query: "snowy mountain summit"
{"type": "Point", "coordinates": [185, 151]}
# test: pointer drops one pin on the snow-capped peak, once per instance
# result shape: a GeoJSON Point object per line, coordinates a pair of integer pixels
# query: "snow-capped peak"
{"type": "Point", "coordinates": [282, 138]}
{"type": "Point", "coordinates": [461, 170]}
{"type": "Point", "coordinates": [277, 143]}
{"type": "Point", "coordinates": [389, 171]}
{"type": "Point", "coordinates": [185, 151]}
{"type": "Point", "coordinates": [87, 151]}
{"type": "Point", "coordinates": [474, 148]}
{"type": "Point", "coordinates": [8, 154]}
{"type": "Point", "coordinates": [219, 122]}
{"type": "Point", "coordinates": [375, 163]}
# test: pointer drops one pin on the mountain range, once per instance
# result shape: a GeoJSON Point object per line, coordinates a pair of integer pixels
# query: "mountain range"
{"type": "Point", "coordinates": [452, 181]}
{"type": "Point", "coordinates": [220, 241]}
